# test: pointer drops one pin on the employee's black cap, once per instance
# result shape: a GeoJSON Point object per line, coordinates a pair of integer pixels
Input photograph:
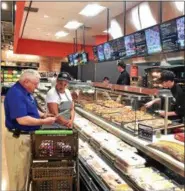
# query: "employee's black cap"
{"type": "Point", "coordinates": [121, 63]}
{"type": "Point", "coordinates": [64, 76]}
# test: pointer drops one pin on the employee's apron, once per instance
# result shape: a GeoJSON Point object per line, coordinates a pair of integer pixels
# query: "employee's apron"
{"type": "Point", "coordinates": [64, 110]}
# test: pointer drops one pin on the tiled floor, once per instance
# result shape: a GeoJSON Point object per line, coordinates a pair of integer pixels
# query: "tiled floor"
{"type": "Point", "coordinates": [4, 185]}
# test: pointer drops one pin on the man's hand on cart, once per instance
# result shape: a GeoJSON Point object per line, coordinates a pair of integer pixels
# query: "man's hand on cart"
{"type": "Point", "coordinates": [69, 124]}
{"type": "Point", "coordinates": [49, 120]}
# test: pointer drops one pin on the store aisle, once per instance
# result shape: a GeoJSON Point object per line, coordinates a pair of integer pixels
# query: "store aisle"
{"type": "Point", "coordinates": [4, 180]}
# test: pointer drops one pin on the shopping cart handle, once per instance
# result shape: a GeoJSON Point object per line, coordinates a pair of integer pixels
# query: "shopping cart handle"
{"type": "Point", "coordinates": [53, 132]}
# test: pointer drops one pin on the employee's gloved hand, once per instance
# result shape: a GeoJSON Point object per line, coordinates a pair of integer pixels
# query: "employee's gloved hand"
{"type": "Point", "coordinates": [162, 113]}
{"type": "Point", "coordinates": [149, 104]}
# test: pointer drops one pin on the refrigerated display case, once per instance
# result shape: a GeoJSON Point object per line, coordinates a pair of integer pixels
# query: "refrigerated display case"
{"type": "Point", "coordinates": [123, 118]}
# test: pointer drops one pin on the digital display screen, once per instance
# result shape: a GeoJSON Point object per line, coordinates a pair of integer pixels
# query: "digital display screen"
{"type": "Point", "coordinates": [140, 43]}
{"type": "Point", "coordinates": [76, 59]}
{"type": "Point", "coordinates": [84, 58]}
{"type": "Point", "coordinates": [107, 48]}
{"type": "Point", "coordinates": [121, 47]}
{"type": "Point", "coordinates": [95, 52]}
{"type": "Point", "coordinates": [100, 53]}
{"type": "Point", "coordinates": [180, 22]}
{"type": "Point", "coordinates": [130, 46]}
{"type": "Point", "coordinates": [70, 60]}
{"type": "Point", "coordinates": [115, 53]}
{"type": "Point", "coordinates": [153, 40]}
{"type": "Point", "coordinates": [169, 36]}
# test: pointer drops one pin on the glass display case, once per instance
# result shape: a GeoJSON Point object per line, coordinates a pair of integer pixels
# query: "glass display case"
{"type": "Point", "coordinates": [121, 111]}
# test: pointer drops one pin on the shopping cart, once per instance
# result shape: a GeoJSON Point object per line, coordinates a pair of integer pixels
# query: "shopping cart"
{"type": "Point", "coordinates": [54, 161]}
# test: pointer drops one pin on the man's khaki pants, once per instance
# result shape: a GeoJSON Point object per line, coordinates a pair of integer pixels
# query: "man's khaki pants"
{"type": "Point", "coordinates": [18, 160]}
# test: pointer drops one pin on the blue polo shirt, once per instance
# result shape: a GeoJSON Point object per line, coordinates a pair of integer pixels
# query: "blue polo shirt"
{"type": "Point", "coordinates": [19, 103]}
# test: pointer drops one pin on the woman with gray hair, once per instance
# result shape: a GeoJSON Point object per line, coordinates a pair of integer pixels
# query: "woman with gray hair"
{"type": "Point", "coordinates": [22, 117]}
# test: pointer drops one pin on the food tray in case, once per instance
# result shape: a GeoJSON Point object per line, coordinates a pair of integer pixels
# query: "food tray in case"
{"type": "Point", "coordinates": [54, 144]}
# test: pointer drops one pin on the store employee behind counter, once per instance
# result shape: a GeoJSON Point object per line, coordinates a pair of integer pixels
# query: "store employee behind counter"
{"type": "Point", "coordinates": [60, 103]}
{"type": "Point", "coordinates": [124, 77]}
{"type": "Point", "coordinates": [167, 79]}
{"type": "Point", "coordinates": [22, 117]}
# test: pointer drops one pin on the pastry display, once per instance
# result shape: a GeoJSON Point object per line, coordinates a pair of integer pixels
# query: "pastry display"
{"type": "Point", "coordinates": [173, 149]}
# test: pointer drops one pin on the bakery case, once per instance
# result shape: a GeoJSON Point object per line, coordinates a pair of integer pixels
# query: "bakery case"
{"type": "Point", "coordinates": [123, 145]}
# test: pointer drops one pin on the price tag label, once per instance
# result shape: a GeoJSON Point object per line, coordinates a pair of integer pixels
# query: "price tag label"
{"type": "Point", "coordinates": [145, 132]}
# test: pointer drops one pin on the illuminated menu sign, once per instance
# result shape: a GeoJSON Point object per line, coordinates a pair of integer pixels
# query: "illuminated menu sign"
{"type": "Point", "coordinates": [181, 32]}
{"type": "Point", "coordinates": [107, 48]}
{"type": "Point", "coordinates": [115, 53]}
{"type": "Point", "coordinates": [130, 46]}
{"type": "Point", "coordinates": [121, 47]}
{"type": "Point", "coordinates": [101, 56]}
{"type": "Point", "coordinates": [140, 43]}
{"type": "Point", "coordinates": [153, 40]}
{"type": "Point", "coordinates": [70, 59]}
{"type": "Point", "coordinates": [95, 52]}
{"type": "Point", "coordinates": [169, 36]}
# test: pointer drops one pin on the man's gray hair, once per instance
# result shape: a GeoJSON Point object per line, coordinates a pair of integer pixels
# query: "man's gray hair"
{"type": "Point", "coordinates": [29, 74]}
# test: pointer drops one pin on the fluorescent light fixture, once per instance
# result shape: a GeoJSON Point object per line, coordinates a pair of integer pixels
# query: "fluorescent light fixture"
{"type": "Point", "coordinates": [73, 25]}
{"type": "Point", "coordinates": [46, 16]}
{"type": "Point", "coordinates": [114, 30]}
{"type": "Point", "coordinates": [61, 34]}
{"type": "Point", "coordinates": [135, 18]}
{"type": "Point", "coordinates": [146, 16]}
{"type": "Point", "coordinates": [4, 6]}
{"type": "Point", "coordinates": [92, 10]}
{"type": "Point", "coordinates": [180, 6]}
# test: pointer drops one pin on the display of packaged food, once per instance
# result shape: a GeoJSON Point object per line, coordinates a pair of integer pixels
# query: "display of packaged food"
{"type": "Point", "coordinates": [128, 159]}
{"type": "Point", "coordinates": [163, 185]}
{"type": "Point", "coordinates": [122, 145]}
{"type": "Point", "coordinates": [173, 149]}
{"type": "Point", "coordinates": [86, 153]}
{"type": "Point", "coordinates": [113, 180]}
{"type": "Point", "coordinates": [98, 165]}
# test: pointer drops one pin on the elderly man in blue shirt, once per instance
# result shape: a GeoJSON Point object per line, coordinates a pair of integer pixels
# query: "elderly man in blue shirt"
{"type": "Point", "coordinates": [22, 117]}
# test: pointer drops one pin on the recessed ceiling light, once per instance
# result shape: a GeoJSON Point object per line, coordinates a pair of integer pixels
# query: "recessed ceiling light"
{"type": "Point", "coordinates": [92, 10]}
{"type": "Point", "coordinates": [60, 34]}
{"type": "Point", "coordinates": [4, 6]}
{"type": "Point", "coordinates": [73, 25]}
{"type": "Point", "coordinates": [46, 16]}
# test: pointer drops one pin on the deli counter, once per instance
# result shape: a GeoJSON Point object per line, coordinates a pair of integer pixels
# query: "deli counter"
{"type": "Point", "coordinates": [124, 146]}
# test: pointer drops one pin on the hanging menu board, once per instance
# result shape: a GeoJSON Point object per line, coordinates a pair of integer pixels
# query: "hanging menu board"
{"type": "Point", "coordinates": [130, 46]}
{"type": "Point", "coordinates": [140, 43]}
{"type": "Point", "coordinates": [153, 40]}
{"type": "Point", "coordinates": [115, 53]}
{"type": "Point", "coordinates": [107, 48]}
{"type": "Point", "coordinates": [181, 32]}
{"type": "Point", "coordinates": [101, 56]}
{"type": "Point", "coordinates": [95, 53]}
{"type": "Point", "coordinates": [121, 48]}
{"type": "Point", "coordinates": [169, 36]}
{"type": "Point", "coordinates": [70, 60]}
